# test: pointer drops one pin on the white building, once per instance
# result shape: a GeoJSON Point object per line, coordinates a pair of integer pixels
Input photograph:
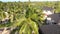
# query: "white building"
{"type": "Point", "coordinates": [47, 11]}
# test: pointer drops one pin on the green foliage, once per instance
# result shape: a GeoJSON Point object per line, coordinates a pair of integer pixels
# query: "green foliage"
{"type": "Point", "coordinates": [25, 15]}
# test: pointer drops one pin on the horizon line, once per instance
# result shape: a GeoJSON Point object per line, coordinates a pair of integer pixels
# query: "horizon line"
{"type": "Point", "coordinates": [28, 0]}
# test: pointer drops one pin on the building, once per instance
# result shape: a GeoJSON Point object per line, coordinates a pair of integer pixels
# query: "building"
{"type": "Point", "coordinates": [49, 29]}
{"type": "Point", "coordinates": [53, 21]}
{"type": "Point", "coordinates": [47, 11]}
{"type": "Point", "coordinates": [53, 26]}
{"type": "Point", "coordinates": [54, 18]}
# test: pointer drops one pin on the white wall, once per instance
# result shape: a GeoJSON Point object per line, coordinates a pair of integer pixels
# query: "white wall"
{"type": "Point", "coordinates": [47, 12]}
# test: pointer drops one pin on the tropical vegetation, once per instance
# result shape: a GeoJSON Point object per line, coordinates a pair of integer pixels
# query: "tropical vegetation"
{"type": "Point", "coordinates": [27, 16]}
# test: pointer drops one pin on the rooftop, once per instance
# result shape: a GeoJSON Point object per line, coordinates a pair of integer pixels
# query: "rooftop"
{"type": "Point", "coordinates": [55, 17]}
{"type": "Point", "coordinates": [47, 8]}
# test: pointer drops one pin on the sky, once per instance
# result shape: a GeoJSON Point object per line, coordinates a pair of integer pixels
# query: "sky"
{"type": "Point", "coordinates": [26, 0]}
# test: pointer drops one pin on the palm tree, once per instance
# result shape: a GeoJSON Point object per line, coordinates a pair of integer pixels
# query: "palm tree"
{"type": "Point", "coordinates": [24, 16]}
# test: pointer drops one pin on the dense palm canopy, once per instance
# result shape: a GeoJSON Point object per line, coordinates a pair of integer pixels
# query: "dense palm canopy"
{"type": "Point", "coordinates": [27, 16]}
